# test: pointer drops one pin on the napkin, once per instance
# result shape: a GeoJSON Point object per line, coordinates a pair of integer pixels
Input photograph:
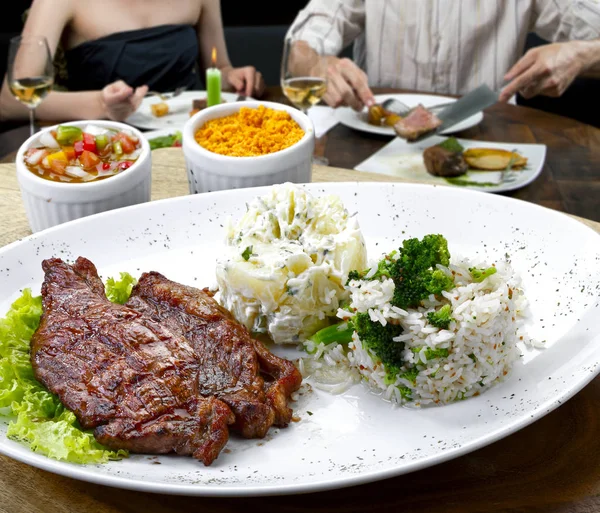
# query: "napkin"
{"type": "Point", "coordinates": [323, 118]}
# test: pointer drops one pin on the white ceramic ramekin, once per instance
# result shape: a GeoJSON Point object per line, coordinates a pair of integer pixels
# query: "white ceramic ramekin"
{"type": "Point", "coordinates": [49, 203]}
{"type": "Point", "coordinates": [208, 171]}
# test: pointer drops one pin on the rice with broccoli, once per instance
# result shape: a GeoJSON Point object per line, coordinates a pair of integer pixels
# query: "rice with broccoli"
{"type": "Point", "coordinates": [422, 328]}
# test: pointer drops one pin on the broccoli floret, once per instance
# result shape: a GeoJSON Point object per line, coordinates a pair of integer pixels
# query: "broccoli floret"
{"type": "Point", "coordinates": [481, 274]}
{"type": "Point", "coordinates": [354, 275]}
{"type": "Point", "coordinates": [410, 375]}
{"type": "Point", "coordinates": [441, 319]}
{"type": "Point", "coordinates": [378, 338]}
{"type": "Point", "coordinates": [385, 268]}
{"type": "Point", "coordinates": [431, 353]}
{"type": "Point", "coordinates": [414, 272]}
{"type": "Point", "coordinates": [406, 393]}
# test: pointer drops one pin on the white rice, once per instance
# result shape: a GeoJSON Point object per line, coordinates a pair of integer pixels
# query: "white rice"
{"type": "Point", "coordinates": [482, 341]}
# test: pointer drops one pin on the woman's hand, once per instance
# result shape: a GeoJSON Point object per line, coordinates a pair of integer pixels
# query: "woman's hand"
{"type": "Point", "coordinates": [548, 70]}
{"type": "Point", "coordinates": [244, 80]}
{"type": "Point", "coordinates": [119, 100]}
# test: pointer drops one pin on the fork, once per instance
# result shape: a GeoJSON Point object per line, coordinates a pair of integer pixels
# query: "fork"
{"type": "Point", "coordinates": [400, 108]}
{"type": "Point", "coordinates": [167, 96]}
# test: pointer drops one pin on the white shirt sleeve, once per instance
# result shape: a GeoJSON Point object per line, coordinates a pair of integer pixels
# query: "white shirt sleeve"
{"type": "Point", "coordinates": [337, 22]}
{"type": "Point", "coordinates": [566, 20]}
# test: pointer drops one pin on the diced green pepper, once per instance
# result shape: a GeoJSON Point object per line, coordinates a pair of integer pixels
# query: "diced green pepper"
{"type": "Point", "coordinates": [101, 141]}
{"type": "Point", "coordinates": [117, 148]}
{"type": "Point", "coordinates": [67, 135]}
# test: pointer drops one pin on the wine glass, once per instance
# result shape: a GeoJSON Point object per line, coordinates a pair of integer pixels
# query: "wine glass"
{"type": "Point", "coordinates": [304, 75]}
{"type": "Point", "coordinates": [30, 72]}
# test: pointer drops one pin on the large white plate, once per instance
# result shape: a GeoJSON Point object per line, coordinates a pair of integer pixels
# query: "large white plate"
{"type": "Point", "coordinates": [179, 110]}
{"type": "Point", "coordinates": [405, 160]}
{"type": "Point", "coordinates": [355, 437]}
{"type": "Point", "coordinates": [358, 120]}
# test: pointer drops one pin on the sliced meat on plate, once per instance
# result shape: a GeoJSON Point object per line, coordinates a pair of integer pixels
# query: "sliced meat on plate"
{"type": "Point", "coordinates": [418, 122]}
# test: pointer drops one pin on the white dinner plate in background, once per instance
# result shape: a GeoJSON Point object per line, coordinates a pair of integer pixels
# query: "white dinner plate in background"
{"type": "Point", "coordinates": [358, 120]}
{"type": "Point", "coordinates": [179, 110]}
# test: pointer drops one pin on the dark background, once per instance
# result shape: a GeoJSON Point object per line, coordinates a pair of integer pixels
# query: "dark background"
{"type": "Point", "coordinates": [254, 36]}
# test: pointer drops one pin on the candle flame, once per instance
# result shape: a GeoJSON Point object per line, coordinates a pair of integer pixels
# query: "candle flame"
{"type": "Point", "coordinates": [214, 56]}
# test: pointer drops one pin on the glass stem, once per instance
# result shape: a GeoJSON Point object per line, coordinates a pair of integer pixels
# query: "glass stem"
{"type": "Point", "coordinates": [32, 121]}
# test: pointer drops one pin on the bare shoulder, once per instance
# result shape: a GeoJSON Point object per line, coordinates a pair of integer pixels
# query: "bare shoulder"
{"type": "Point", "coordinates": [60, 8]}
{"type": "Point", "coordinates": [49, 18]}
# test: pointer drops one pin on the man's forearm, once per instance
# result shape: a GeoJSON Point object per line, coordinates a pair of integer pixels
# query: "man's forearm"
{"type": "Point", "coordinates": [304, 60]}
{"type": "Point", "coordinates": [590, 54]}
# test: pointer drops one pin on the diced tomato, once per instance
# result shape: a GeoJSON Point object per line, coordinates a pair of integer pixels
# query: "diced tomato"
{"type": "Point", "coordinates": [127, 143]}
{"type": "Point", "coordinates": [89, 160]}
{"type": "Point", "coordinates": [78, 148]}
{"type": "Point", "coordinates": [58, 166]}
{"type": "Point", "coordinates": [69, 152]}
{"type": "Point", "coordinates": [89, 142]}
{"type": "Point", "coordinates": [105, 165]}
{"type": "Point", "coordinates": [125, 164]}
{"type": "Point", "coordinates": [177, 144]}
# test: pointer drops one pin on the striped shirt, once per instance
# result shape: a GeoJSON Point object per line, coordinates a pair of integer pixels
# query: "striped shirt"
{"type": "Point", "coordinates": [442, 46]}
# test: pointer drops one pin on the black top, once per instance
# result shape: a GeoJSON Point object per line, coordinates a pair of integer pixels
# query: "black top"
{"type": "Point", "coordinates": [163, 58]}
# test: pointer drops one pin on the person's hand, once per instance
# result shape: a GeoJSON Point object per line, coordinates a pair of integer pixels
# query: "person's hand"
{"type": "Point", "coordinates": [548, 70]}
{"type": "Point", "coordinates": [244, 80]}
{"type": "Point", "coordinates": [119, 100]}
{"type": "Point", "coordinates": [347, 84]}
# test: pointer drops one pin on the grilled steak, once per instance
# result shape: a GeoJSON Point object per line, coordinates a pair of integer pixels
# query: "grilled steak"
{"type": "Point", "coordinates": [230, 361]}
{"type": "Point", "coordinates": [168, 372]}
{"type": "Point", "coordinates": [418, 122]}
{"type": "Point", "coordinates": [121, 372]}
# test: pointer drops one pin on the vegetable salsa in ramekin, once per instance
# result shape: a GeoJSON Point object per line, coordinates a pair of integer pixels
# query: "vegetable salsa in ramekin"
{"type": "Point", "coordinates": [76, 155]}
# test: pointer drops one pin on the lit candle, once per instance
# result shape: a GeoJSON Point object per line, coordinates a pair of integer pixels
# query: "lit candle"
{"type": "Point", "coordinates": [213, 82]}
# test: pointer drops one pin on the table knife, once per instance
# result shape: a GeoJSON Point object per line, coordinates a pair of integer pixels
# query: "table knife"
{"type": "Point", "coordinates": [471, 103]}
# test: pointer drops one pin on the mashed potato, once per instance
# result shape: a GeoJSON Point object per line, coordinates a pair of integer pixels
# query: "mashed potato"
{"type": "Point", "coordinates": [286, 263]}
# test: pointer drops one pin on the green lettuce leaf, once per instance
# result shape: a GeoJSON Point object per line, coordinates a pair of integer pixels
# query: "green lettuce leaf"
{"type": "Point", "coordinates": [42, 422]}
{"type": "Point", "coordinates": [120, 290]}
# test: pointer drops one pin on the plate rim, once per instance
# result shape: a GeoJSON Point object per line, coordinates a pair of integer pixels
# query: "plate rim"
{"type": "Point", "coordinates": [389, 131]}
{"type": "Point", "coordinates": [85, 472]}
{"type": "Point", "coordinates": [184, 94]}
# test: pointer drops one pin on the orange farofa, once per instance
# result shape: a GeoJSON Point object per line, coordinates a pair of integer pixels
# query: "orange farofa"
{"type": "Point", "coordinates": [250, 132]}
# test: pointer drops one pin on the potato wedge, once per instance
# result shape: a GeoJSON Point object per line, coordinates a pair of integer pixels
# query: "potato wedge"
{"type": "Point", "coordinates": [391, 119]}
{"type": "Point", "coordinates": [159, 109]}
{"type": "Point", "coordinates": [491, 159]}
{"type": "Point", "coordinates": [375, 115]}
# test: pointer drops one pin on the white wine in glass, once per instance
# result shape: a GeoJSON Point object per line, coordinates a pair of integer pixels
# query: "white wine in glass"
{"type": "Point", "coordinates": [304, 92]}
{"type": "Point", "coordinates": [30, 72]}
{"type": "Point", "coordinates": [304, 75]}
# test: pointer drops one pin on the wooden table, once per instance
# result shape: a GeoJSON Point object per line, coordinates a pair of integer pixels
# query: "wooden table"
{"type": "Point", "coordinates": [569, 182]}
{"type": "Point", "coordinates": [551, 466]}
